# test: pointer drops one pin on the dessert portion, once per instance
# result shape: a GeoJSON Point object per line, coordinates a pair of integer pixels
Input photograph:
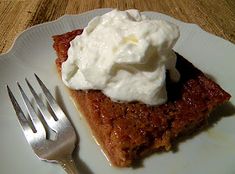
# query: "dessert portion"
{"type": "Point", "coordinates": [129, 130]}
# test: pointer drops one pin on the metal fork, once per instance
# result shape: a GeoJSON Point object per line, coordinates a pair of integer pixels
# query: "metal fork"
{"type": "Point", "coordinates": [58, 150]}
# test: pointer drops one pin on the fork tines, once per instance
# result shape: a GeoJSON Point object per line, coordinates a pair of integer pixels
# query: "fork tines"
{"type": "Point", "coordinates": [37, 130]}
{"type": "Point", "coordinates": [37, 126]}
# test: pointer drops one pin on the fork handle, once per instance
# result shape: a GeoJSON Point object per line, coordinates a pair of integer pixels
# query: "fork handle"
{"type": "Point", "coordinates": [68, 165]}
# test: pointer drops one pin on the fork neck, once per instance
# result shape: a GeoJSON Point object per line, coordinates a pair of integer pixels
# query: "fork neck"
{"type": "Point", "coordinates": [68, 165]}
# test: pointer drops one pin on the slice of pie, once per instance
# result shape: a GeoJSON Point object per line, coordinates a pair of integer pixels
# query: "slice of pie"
{"type": "Point", "coordinates": [128, 131]}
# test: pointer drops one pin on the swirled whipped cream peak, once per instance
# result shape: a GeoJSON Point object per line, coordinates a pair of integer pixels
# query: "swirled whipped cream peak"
{"type": "Point", "coordinates": [125, 55]}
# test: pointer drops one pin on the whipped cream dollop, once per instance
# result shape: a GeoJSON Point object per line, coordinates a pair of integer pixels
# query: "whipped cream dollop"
{"type": "Point", "coordinates": [125, 55]}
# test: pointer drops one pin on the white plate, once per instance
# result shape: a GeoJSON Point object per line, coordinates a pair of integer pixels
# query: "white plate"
{"type": "Point", "coordinates": [211, 151]}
